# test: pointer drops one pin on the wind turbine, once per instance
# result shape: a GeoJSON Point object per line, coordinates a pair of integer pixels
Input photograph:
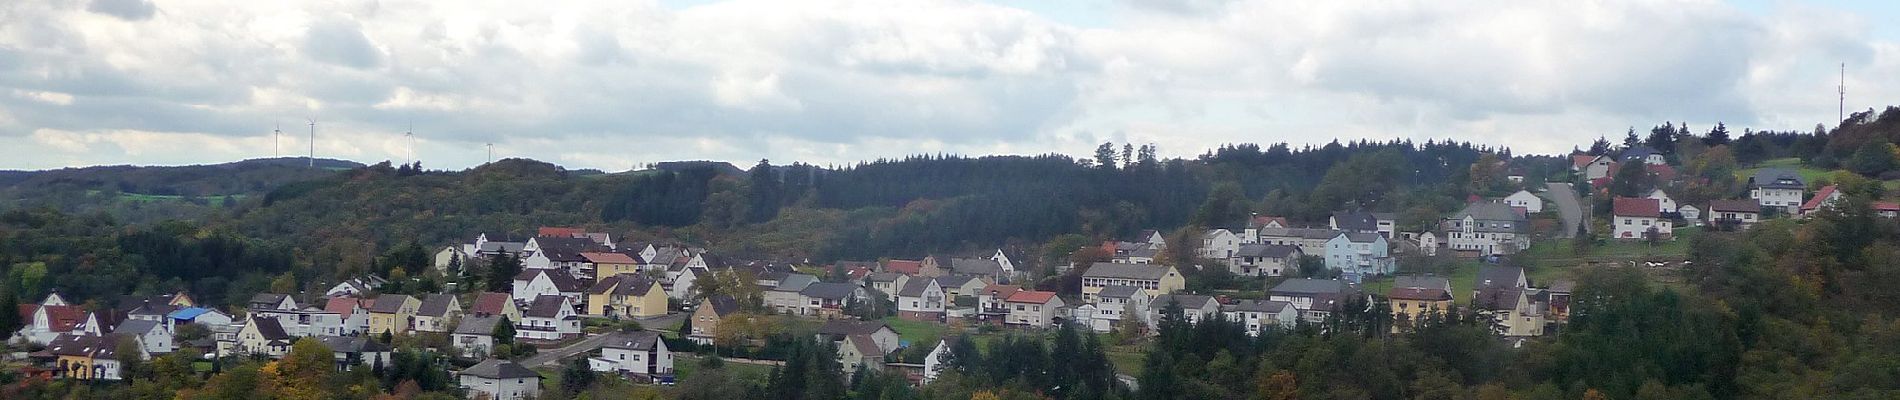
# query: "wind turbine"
{"type": "Point", "coordinates": [411, 135]}
{"type": "Point", "coordinates": [276, 142]}
{"type": "Point", "coordinates": [313, 143]}
{"type": "Point", "coordinates": [491, 152]}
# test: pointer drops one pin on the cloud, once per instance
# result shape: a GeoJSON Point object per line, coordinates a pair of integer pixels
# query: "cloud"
{"type": "Point", "coordinates": [130, 10]}
{"type": "Point", "coordinates": [608, 85]}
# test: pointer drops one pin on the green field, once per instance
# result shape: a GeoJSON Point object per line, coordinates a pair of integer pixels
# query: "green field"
{"type": "Point", "coordinates": [1807, 173]}
{"type": "Point", "coordinates": [1462, 276]}
{"type": "Point", "coordinates": [684, 365]}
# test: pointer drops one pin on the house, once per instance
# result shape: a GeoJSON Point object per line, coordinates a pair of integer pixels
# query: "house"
{"type": "Point", "coordinates": [638, 353]}
{"type": "Point", "coordinates": [1265, 222]}
{"type": "Point", "coordinates": [560, 253]}
{"type": "Point", "coordinates": [786, 298]}
{"type": "Point", "coordinates": [706, 317]}
{"type": "Point", "coordinates": [1526, 200]}
{"type": "Point", "coordinates": [1887, 209]}
{"type": "Point", "coordinates": [449, 255]}
{"type": "Point", "coordinates": [837, 330]}
{"type": "Point", "coordinates": [1311, 241]}
{"type": "Point", "coordinates": [1258, 315]}
{"type": "Point", "coordinates": [1590, 167]}
{"type": "Point", "coordinates": [1034, 309]}
{"type": "Point", "coordinates": [1558, 297]}
{"type": "Point", "coordinates": [1002, 258]}
{"type": "Point", "coordinates": [392, 313]}
{"type": "Point", "coordinates": [263, 336]}
{"type": "Point", "coordinates": [501, 380]}
{"type": "Point", "coordinates": [1738, 214]}
{"type": "Point", "coordinates": [1511, 310]}
{"type": "Point", "coordinates": [1412, 304]}
{"type": "Point", "coordinates": [155, 337]}
{"type": "Point", "coordinates": [1826, 197]}
{"type": "Point", "coordinates": [1779, 189]}
{"type": "Point", "coordinates": [1497, 276]}
{"type": "Point", "coordinates": [1487, 229]}
{"type": "Point", "coordinates": [493, 304]}
{"type": "Point", "coordinates": [86, 357]}
{"type": "Point", "coordinates": [1194, 308]}
{"type": "Point", "coordinates": [1154, 279]}
{"type": "Point", "coordinates": [993, 301]}
{"type": "Point", "coordinates": [1427, 282]}
{"type": "Point", "coordinates": [1639, 218]}
{"type": "Point", "coordinates": [960, 285]}
{"type": "Point", "coordinates": [626, 296]}
{"type": "Point", "coordinates": [532, 283]}
{"type": "Point", "coordinates": [682, 285]}
{"type": "Point", "coordinates": [1258, 259]}
{"type": "Point", "coordinates": [1114, 303]}
{"type": "Point", "coordinates": [47, 320]}
{"type": "Point", "coordinates": [1365, 222]}
{"type": "Point", "coordinates": [886, 283]}
{"type": "Point", "coordinates": [353, 312]}
{"type": "Point", "coordinates": [859, 352]}
{"type": "Point", "coordinates": [474, 336]}
{"type": "Point", "coordinates": [1219, 244]}
{"type": "Point", "coordinates": [827, 299]}
{"type": "Point", "coordinates": [1151, 236]}
{"type": "Point", "coordinates": [356, 286]}
{"type": "Point", "coordinates": [921, 300]}
{"type": "Point", "coordinates": [906, 267]}
{"type": "Point", "coordinates": [549, 317]}
{"type": "Point", "coordinates": [601, 265]}
{"type": "Point", "coordinates": [1359, 254]}
{"type": "Point", "coordinates": [272, 301]}
{"type": "Point", "coordinates": [1140, 254]}
{"type": "Point", "coordinates": [936, 362]}
{"type": "Point", "coordinates": [1642, 154]}
{"type": "Point", "coordinates": [1664, 203]}
{"type": "Point", "coordinates": [199, 315]}
{"type": "Point", "coordinates": [356, 351]}
{"type": "Point", "coordinates": [1429, 242]}
{"type": "Point", "coordinates": [305, 322]}
{"type": "Point", "coordinates": [1690, 213]}
{"type": "Point", "coordinates": [1315, 298]}
{"type": "Point", "coordinates": [979, 267]}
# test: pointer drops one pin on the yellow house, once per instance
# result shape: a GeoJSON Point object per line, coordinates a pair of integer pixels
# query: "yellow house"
{"type": "Point", "coordinates": [392, 313]}
{"type": "Point", "coordinates": [708, 314]}
{"type": "Point", "coordinates": [626, 295]}
{"type": "Point", "coordinates": [86, 357]}
{"type": "Point", "coordinates": [607, 265]}
{"type": "Point", "coordinates": [1410, 304]}
{"type": "Point", "coordinates": [1155, 280]}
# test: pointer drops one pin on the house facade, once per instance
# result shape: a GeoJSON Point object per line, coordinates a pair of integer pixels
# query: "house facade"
{"type": "Point", "coordinates": [1639, 219]}
{"type": "Point", "coordinates": [1033, 308]}
{"type": "Point", "coordinates": [1359, 255]}
{"type": "Point", "coordinates": [549, 317]}
{"type": "Point", "coordinates": [1155, 279]}
{"type": "Point", "coordinates": [1526, 200]}
{"type": "Point", "coordinates": [1780, 189]}
{"type": "Point", "coordinates": [1260, 259]}
{"type": "Point", "coordinates": [1486, 229]}
{"type": "Point", "coordinates": [501, 380]}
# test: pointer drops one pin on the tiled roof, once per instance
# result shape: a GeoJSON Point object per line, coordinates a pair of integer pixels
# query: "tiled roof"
{"type": "Point", "coordinates": [491, 303]}
{"type": "Point", "coordinates": [1032, 296]}
{"type": "Point", "coordinates": [269, 328]}
{"type": "Point", "coordinates": [1118, 291]}
{"type": "Point", "coordinates": [500, 369]}
{"type": "Point", "coordinates": [1188, 301]}
{"type": "Point", "coordinates": [1636, 207]}
{"type": "Point", "coordinates": [389, 303]}
{"type": "Point", "coordinates": [1126, 271]}
{"type": "Point", "coordinates": [1742, 206]}
{"type": "Point", "coordinates": [473, 325]}
{"type": "Point", "coordinates": [436, 305]}
{"type": "Point", "coordinates": [607, 258]}
{"type": "Point", "coordinates": [828, 290]}
{"type": "Point", "coordinates": [1266, 250]}
{"type": "Point", "coordinates": [1001, 291]}
{"type": "Point", "coordinates": [1428, 294]}
{"type": "Point", "coordinates": [906, 267]}
{"type": "Point", "coordinates": [641, 340]}
{"type": "Point", "coordinates": [1820, 197]}
{"type": "Point", "coordinates": [546, 306]}
{"type": "Point", "coordinates": [342, 305]}
{"type": "Point", "coordinates": [916, 287]}
{"type": "Point", "coordinates": [722, 305]}
{"type": "Point", "coordinates": [1302, 286]}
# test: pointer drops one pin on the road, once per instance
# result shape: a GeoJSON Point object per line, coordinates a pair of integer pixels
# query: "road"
{"type": "Point", "coordinates": [549, 356]}
{"type": "Point", "coordinates": [1569, 207]}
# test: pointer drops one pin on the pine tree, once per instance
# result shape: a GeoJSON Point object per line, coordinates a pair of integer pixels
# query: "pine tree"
{"type": "Point", "coordinates": [10, 322]}
{"type": "Point", "coordinates": [577, 377]}
{"type": "Point", "coordinates": [504, 332]}
{"type": "Point", "coordinates": [502, 268]}
{"type": "Point", "coordinates": [1717, 136]}
{"type": "Point", "coordinates": [1157, 376]}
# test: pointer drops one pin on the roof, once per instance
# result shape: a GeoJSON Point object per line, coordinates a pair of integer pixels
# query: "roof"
{"type": "Point", "coordinates": [1262, 221]}
{"type": "Point", "coordinates": [478, 325]}
{"type": "Point", "coordinates": [1638, 153]}
{"type": "Point", "coordinates": [639, 340]}
{"type": "Point", "coordinates": [354, 344]}
{"type": "Point", "coordinates": [795, 283]}
{"type": "Point", "coordinates": [269, 328]}
{"type": "Point", "coordinates": [1356, 221]}
{"type": "Point", "coordinates": [137, 326]}
{"type": "Point", "coordinates": [1266, 306]}
{"type": "Point", "coordinates": [607, 258]}
{"type": "Point", "coordinates": [883, 276]}
{"type": "Point", "coordinates": [84, 346]}
{"type": "Point", "coordinates": [502, 247]}
{"type": "Point", "coordinates": [916, 287]}
{"type": "Point", "coordinates": [562, 282]}
{"type": "Point", "coordinates": [500, 369]}
{"type": "Point", "coordinates": [1304, 233]}
{"type": "Point", "coordinates": [158, 304]}
{"type": "Point", "coordinates": [568, 249]}
{"type": "Point", "coordinates": [555, 231]}
{"type": "Point", "coordinates": [906, 267]}
{"type": "Point", "coordinates": [950, 281]}
{"type": "Point", "coordinates": [1001, 291]}
{"type": "Point", "coordinates": [1886, 206]}
{"type": "Point", "coordinates": [865, 345]}
{"type": "Point", "coordinates": [1420, 282]}
{"type": "Point", "coordinates": [1498, 275]}
{"type": "Point", "coordinates": [1118, 291]}
{"type": "Point", "coordinates": [436, 305]}
{"type": "Point", "coordinates": [546, 306]}
{"type": "Point", "coordinates": [1498, 298]}
{"type": "Point", "coordinates": [829, 290]}
{"type": "Point", "coordinates": [1413, 293]}
{"type": "Point", "coordinates": [389, 303]}
{"type": "Point", "coordinates": [1742, 205]}
{"type": "Point", "coordinates": [1488, 211]}
{"type": "Point", "coordinates": [188, 313]}
{"type": "Point", "coordinates": [342, 305]}
{"type": "Point", "coordinates": [1126, 271]}
{"type": "Point", "coordinates": [1362, 237]}
{"type": "Point", "coordinates": [1032, 296]}
{"type": "Point", "coordinates": [1636, 207]}
{"type": "Point", "coordinates": [1266, 250]}
{"type": "Point", "coordinates": [63, 318]}
{"type": "Point", "coordinates": [843, 327]}
{"type": "Point", "coordinates": [1305, 286]}
{"type": "Point", "coordinates": [1820, 197]}
{"type": "Point", "coordinates": [722, 305]}
{"type": "Point", "coordinates": [975, 266]}
{"type": "Point", "coordinates": [491, 303]}
{"type": "Point", "coordinates": [1193, 301]}
{"type": "Point", "coordinates": [623, 285]}
{"type": "Point", "coordinates": [1777, 178]}
{"type": "Point", "coordinates": [270, 298]}
{"type": "Point", "coordinates": [1580, 160]}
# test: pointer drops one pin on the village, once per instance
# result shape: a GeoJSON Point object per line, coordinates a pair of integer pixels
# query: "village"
{"type": "Point", "coordinates": [639, 310]}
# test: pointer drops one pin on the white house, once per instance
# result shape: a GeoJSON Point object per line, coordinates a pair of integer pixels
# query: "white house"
{"type": "Point", "coordinates": [1258, 315]}
{"type": "Point", "coordinates": [639, 353]}
{"type": "Point", "coordinates": [1001, 259]}
{"type": "Point", "coordinates": [1639, 218]}
{"type": "Point", "coordinates": [305, 322]}
{"type": "Point", "coordinates": [1663, 201]}
{"type": "Point", "coordinates": [1690, 213]}
{"type": "Point", "coordinates": [1358, 254]}
{"type": "Point", "coordinates": [50, 318]}
{"type": "Point", "coordinates": [1033, 308]}
{"type": "Point", "coordinates": [1524, 198]}
{"type": "Point", "coordinates": [474, 336]}
{"type": "Point", "coordinates": [532, 283]}
{"type": "Point", "coordinates": [154, 336]}
{"type": "Point", "coordinates": [921, 300]}
{"type": "Point", "coordinates": [1777, 188]}
{"type": "Point", "coordinates": [1590, 167]}
{"type": "Point", "coordinates": [262, 336]}
{"type": "Point", "coordinates": [1822, 198]}
{"type": "Point", "coordinates": [1315, 298]}
{"type": "Point", "coordinates": [1194, 307]}
{"type": "Point", "coordinates": [354, 313]}
{"type": "Point", "coordinates": [1219, 244]}
{"type": "Point", "coordinates": [549, 317]}
{"type": "Point", "coordinates": [936, 362]}
{"type": "Point", "coordinates": [501, 380]}
{"type": "Point", "coordinates": [1260, 259]}
{"type": "Point", "coordinates": [1114, 303]}
{"type": "Point", "coordinates": [1486, 229]}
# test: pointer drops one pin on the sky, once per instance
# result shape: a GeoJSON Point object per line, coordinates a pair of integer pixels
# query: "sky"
{"type": "Point", "coordinates": [614, 85]}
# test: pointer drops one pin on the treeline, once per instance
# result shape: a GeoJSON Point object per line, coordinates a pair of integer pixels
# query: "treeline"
{"type": "Point", "coordinates": [95, 258]}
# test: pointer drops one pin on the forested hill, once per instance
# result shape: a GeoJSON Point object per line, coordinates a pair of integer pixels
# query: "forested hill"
{"type": "Point", "coordinates": [154, 193]}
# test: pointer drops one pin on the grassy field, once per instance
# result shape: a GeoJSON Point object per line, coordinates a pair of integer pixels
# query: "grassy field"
{"type": "Point", "coordinates": [916, 332]}
{"type": "Point", "coordinates": [684, 366]}
{"type": "Point", "coordinates": [1807, 173]}
{"type": "Point", "coordinates": [1463, 275]}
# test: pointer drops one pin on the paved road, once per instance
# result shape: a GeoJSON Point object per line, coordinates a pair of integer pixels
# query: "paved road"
{"type": "Point", "coordinates": [1569, 207]}
{"type": "Point", "coordinates": [549, 356]}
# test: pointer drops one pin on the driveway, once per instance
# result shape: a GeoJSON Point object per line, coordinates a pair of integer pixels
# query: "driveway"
{"type": "Point", "coordinates": [1569, 207]}
{"type": "Point", "coordinates": [549, 356]}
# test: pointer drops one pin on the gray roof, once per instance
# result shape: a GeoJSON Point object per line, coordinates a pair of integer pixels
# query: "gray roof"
{"type": "Point", "coordinates": [1266, 250]}
{"type": "Point", "coordinates": [829, 290]}
{"type": "Point", "coordinates": [1266, 306]}
{"type": "Point", "coordinates": [916, 287]}
{"type": "Point", "coordinates": [1303, 286]}
{"type": "Point", "coordinates": [1498, 276]}
{"type": "Point", "coordinates": [436, 305]}
{"type": "Point", "coordinates": [882, 277]}
{"type": "Point", "coordinates": [135, 326]}
{"type": "Point", "coordinates": [1304, 233]}
{"type": "Point", "coordinates": [1362, 237]}
{"type": "Point", "coordinates": [270, 298]}
{"type": "Point", "coordinates": [269, 328]}
{"type": "Point", "coordinates": [472, 325]}
{"type": "Point", "coordinates": [950, 281]}
{"type": "Point", "coordinates": [1778, 178]}
{"type": "Point", "coordinates": [1742, 206]}
{"type": "Point", "coordinates": [722, 304]}
{"type": "Point", "coordinates": [641, 340]}
{"type": "Point", "coordinates": [503, 247]}
{"type": "Point", "coordinates": [545, 306]}
{"type": "Point", "coordinates": [975, 266]}
{"type": "Point", "coordinates": [389, 303]}
{"type": "Point", "coordinates": [1432, 282]}
{"type": "Point", "coordinates": [1488, 211]}
{"type": "Point", "coordinates": [1356, 221]}
{"type": "Point", "coordinates": [1191, 301]}
{"type": "Point", "coordinates": [1145, 252]}
{"type": "Point", "coordinates": [355, 344]}
{"type": "Point", "coordinates": [1118, 291]}
{"type": "Point", "coordinates": [500, 369]}
{"type": "Point", "coordinates": [1126, 271]}
{"type": "Point", "coordinates": [795, 283]}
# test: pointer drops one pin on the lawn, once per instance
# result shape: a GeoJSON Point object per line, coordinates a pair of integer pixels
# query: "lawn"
{"type": "Point", "coordinates": [916, 332]}
{"type": "Point", "coordinates": [1463, 275]}
{"type": "Point", "coordinates": [1563, 250]}
{"type": "Point", "coordinates": [683, 366]}
{"type": "Point", "coordinates": [1807, 173]}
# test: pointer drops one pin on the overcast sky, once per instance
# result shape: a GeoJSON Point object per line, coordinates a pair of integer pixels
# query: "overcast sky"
{"type": "Point", "coordinates": [614, 84]}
